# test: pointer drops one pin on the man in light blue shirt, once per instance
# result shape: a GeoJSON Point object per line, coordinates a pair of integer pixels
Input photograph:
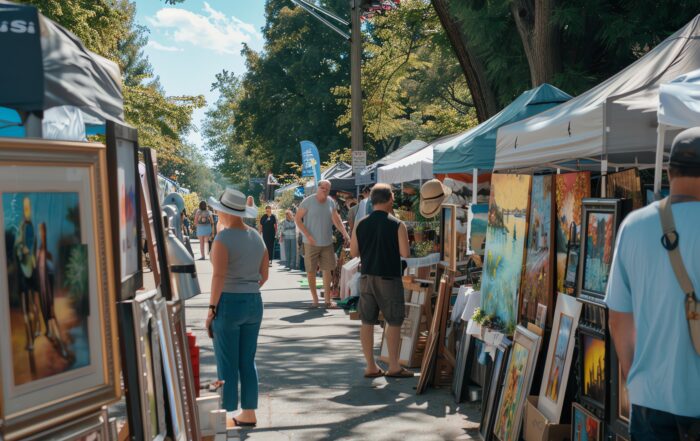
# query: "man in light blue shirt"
{"type": "Point", "coordinates": [647, 307]}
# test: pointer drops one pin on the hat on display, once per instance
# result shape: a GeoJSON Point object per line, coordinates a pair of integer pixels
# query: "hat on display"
{"type": "Point", "coordinates": [432, 194]}
{"type": "Point", "coordinates": [233, 202]}
{"type": "Point", "coordinates": [685, 150]}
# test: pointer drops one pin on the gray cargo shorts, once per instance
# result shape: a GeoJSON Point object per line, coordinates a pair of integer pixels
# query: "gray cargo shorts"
{"type": "Point", "coordinates": [378, 293]}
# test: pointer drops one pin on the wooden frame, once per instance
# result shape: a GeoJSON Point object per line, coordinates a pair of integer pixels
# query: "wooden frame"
{"type": "Point", "coordinates": [94, 426]}
{"type": "Point", "coordinates": [448, 236]}
{"type": "Point", "coordinates": [433, 344]}
{"type": "Point", "coordinates": [184, 369]}
{"type": "Point", "coordinates": [153, 222]}
{"type": "Point", "coordinates": [142, 368]}
{"type": "Point", "coordinates": [46, 175]}
{"type": "Point", "coordinates": [591, 344]}
{"type": "Point", "coordinates": [517, 384]}
{"type": "Point", "coordinates": [619, 420]}
{"type": "Point", "coordinates": [559, 358]}
{"type": "Point", "coordinates": [125, 206]}
{"type": "Point", "coordinates": [493, 388]}
{"type": "Point", "coordinates": [581, 419]}
{"type": "Point", "coordinates": [604, 210]}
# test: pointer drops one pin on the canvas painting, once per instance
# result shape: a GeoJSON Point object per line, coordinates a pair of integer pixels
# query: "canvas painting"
{"type": "Point", "coordinates": [585, 426]}
{"type": "Point", "coordinates": [541, 319]}
{"type": "Point", "coordinates": [536, 284]}
{"type": "Point", "coordinates": [505, 246]}
{"type": "Point", "coordinates": [600, 241]}
{"type": "Point", "coordinates": [572, 265]}
{"type": "Point", "coordinates": [49, 299]}
{"type": "Point", "coordinates": [477, 238]}
{"type": "Point", "coordinates": [594, 368]}
{"type": "Point", "coordinates": [625, 185]}
{"type": "Point", "coordinates": [570, 190]}
{"type": "Point", "coordinates": [561, 348]}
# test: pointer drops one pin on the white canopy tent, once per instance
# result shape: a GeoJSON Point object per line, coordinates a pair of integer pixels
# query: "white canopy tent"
{"type": "Point", "coordinates": [679, 108]}
{"type": "Point", "coordinates": [614, 121]}
{"type": "Point", "coordinates": [416, 167]}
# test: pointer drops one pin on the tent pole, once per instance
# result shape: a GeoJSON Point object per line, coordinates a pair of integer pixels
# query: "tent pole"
{"type": "Point", "coordinates": [475, 184]}
{"type": "Point", "coordinates": [658, 165]}
{"type": "Point", "coordinates": [603, 173]}
{"type": "Point", "coordinates": [33, 126]}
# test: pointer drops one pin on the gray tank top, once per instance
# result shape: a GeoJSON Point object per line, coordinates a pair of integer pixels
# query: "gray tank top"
{"type": "Point", "coordinates": [245, 252]}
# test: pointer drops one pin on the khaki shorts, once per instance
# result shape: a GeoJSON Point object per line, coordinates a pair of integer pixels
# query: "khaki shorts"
{"type": "Point", "coordinates": [384, 294]}
{"type": "Point", "coordinates": [323, 257]}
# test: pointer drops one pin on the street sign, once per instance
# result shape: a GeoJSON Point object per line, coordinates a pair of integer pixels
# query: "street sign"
{"type": "Point", "coordinates": [359, 161]}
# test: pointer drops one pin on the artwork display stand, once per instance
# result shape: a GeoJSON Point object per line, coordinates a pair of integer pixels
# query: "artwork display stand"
{"type": "Point", "coordinates": [414, 330]}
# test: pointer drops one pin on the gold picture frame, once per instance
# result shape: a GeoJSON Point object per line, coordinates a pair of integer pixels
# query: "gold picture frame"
{"type": "Point", "coordinates": [56, 276]}
{"type": "Point", "coordinates": [91, 427]}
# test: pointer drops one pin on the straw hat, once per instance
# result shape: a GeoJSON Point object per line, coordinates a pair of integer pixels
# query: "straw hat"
{"type": "Point", "coordinates": [233, 202]}
{"type": "Point", "coordinates": [432, 194]}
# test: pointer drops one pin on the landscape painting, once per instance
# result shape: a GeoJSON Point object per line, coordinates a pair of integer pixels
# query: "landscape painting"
{"type": "Point", "coordinates": [507, 426]}
{"type": "Point", "coordinates": [477, 238]}
{"type": "Point", "coordinates": [600, 240]}
{"type": "Point", "coordinates": [584, 426]}
{"type": "Point", "coordinates": [536, 284]}
{"type": "Point", "coordinates": [48, 295]}
{"type": "Point", "coordinates": [505, 246]}
{"type": "Point", "coordinates": [561, 349]}
{"type": "Point", "coordinates": [594, 368]}
{"type": "Point", "coordinates": [570, 189]}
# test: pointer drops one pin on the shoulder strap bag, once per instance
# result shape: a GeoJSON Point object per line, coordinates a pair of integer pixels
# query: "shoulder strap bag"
{"type": "Point", "coordinates": [669, 240]}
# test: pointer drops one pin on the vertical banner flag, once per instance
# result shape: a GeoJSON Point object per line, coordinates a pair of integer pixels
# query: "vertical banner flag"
{"type": "Point", "coordinates": [310, 161]}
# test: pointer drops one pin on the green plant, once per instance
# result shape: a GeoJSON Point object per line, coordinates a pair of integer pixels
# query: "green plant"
{"type": "Point", "coordinates": [422, 249]}
{"type": "Point", "coordinates": [76, 278]}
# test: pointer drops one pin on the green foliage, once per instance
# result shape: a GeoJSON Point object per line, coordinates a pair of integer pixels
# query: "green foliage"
{"type": "Point", "coordinates": [76, 277]}
{"type": "Point", "coordinates": [422, 249]}
{"type": "Point", "coordinates": [285, 201]}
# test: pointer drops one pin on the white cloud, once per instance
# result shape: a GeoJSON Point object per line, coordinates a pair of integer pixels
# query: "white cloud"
{"type": "Point", "coordinates": [212, 30]}
{"type": "Point", "coordinates": [161, 47]}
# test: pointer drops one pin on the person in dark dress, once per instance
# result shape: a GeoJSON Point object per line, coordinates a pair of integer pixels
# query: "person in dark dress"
{"type": "Point", "coordinates": [268, 229]}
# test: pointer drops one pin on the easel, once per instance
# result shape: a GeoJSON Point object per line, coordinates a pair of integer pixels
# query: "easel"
{"type": "Point", "coordinates": [438, 362]}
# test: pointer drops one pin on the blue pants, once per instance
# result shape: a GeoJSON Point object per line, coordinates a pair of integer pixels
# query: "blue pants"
{"type": "Point", "coordinates": [655, 425]}
{"type": "Point", "coordinates": [236, 328]}
{"type": "Point", "coordinates": [290, 253]}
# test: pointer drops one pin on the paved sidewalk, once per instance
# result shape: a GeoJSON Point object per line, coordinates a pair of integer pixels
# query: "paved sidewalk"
{"type": "Point", "coordinates": [311, 385]}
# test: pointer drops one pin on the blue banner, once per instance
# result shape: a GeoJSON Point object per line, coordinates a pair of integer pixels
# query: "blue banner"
{"type": "Point", "coordinates": [310, 161]}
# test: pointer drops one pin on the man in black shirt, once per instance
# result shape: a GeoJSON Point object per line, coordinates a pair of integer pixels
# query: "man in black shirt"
{"type": "Point", "coordinates": [380, 240]}
{"type": "Point", "coordinates": [268, 229]}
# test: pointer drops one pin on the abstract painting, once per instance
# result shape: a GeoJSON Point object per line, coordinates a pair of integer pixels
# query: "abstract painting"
{"type": "Point", "coordinates": [593, 366]}
{"type": "Point", "coordinates": [570, 190]}
{"type": "Point", "coordinates": [47, 272]}
{"type": "Point", "coordinates": [625, 185]}
{"type": "Point", "coordinates": [600, 240]}
{"type": "Point", "coordinates": [477, 233]}
{"type": "Point", "coordinates": [585, 426]}
{"type": "Point", "coordinates": [505, 246]}
{"type": "Point", "coordinates": [516, 386]}
{"type": "Point", "coordinates": [536, 284]}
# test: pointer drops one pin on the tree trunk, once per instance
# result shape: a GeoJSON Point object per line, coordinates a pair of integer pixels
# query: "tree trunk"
{"type": "Point", "coordinates": [481, 91]}
{"type": "Point", "coordinates": [540, 38]}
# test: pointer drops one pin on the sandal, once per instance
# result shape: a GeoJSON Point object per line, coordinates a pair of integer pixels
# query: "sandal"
{"type": "Point", "coordinates": [331, 306]}
{"type": "Point", "coordinates": [379, 373]}
{"type": "Point", "coordinates": [215, 385]}
{"type": "Point", "coordinates": [403, 373]}
{"type": "Point", "coordinates": [243, 424]}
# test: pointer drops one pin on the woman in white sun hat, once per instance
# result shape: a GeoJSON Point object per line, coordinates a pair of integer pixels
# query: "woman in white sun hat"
{"type": "Point", "coordinates": [240, 267]}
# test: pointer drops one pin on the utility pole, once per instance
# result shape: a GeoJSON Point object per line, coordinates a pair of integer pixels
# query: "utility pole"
{"type": "Point", "coordinates": [356, 76]}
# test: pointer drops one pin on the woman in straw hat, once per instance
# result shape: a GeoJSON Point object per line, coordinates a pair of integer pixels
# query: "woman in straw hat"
{"type": "Point", "coordinates": [240, 267]}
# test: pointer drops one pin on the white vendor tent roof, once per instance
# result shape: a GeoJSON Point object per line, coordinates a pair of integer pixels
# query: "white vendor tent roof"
{"type": "Point", "coordinates": [416, 167]}
{"type": "Point", "coordinates": [615, 120]}
{"type": "Point", "coordinates": [679, 101]}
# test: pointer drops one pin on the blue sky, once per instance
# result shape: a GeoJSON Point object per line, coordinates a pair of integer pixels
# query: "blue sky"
{"type": "Point", "coordinates": [192, 41]}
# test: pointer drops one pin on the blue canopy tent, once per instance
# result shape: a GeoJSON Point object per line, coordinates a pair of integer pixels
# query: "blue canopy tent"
{"type": "Point", "coordinates": [475, 149]}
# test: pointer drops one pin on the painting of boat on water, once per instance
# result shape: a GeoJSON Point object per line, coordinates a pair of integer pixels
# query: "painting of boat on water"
{"type": "Point", "coordinates": [505, 246]}
{"type": "Point", "coordinates": [570, 189]}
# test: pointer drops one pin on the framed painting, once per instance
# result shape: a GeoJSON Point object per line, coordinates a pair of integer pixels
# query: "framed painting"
{"type": "Point", "coordinates": [593, 365]}
{"type": "Point", "coordinates": [584, 425]}
{"type": "Point", "coordinates": [516, 387]}
{"type": "Point", "coordinates": [620, 405]}
{"type": "Point", "coordinates": [143, 367]}
{"type": "Point", "coordinates": [601, 218]}
{"type": "Point", "coordinates": [184, 369]}
{"type": "Point", "coordinates": [152, 217]}
{"type": "Point", "coordinates": [505, 246]}
{"type": "Point", "coordinates": [570, 189]}
{"type": "Point", "coordinates": [477, 231]}
{"type": "Point", "coordinates": [573, 251]}
{"type": "Point", "coordinates": [559, 357]}
{"type": "Point", "coordinates": [625, 185]}
{"type": "Point", "coordinates": [448, 236]}
{"type": "Point", "coordinates": [58, 345]}
{"type": "Point", "coordinates": [537, 278]}
{"type": "Point", "coordinates": [492, 389]}
{"type": "Point", "coordinates": [177, 431]}
{"type": "Point", "coordinates": [94, 427]}
{"type": "Point", "coordinates": [125, 205]}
